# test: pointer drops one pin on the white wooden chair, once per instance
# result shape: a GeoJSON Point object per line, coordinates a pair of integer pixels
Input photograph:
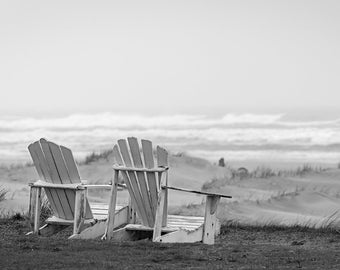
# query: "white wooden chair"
{"type": "Point", "coordinates": [147, 183]}
{"type": "Point", "coordinates": [67, 195]}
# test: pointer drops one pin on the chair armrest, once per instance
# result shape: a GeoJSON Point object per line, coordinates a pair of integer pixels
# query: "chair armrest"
{"type": "Point", "coordinates": [44, 184]}
{"type": "Point", "coordinates": [89, 186]}
{"type": "Point", "coordinates": [133, 169]}
{"type": "Point", "coordinates": [197, 192]}
{"type": "Point", "coordinates": [108, 186]}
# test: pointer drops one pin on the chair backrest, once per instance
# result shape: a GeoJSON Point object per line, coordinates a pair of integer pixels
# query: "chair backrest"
{"type": "Point", "coordinates": [55, 164]}
{"type": "Point", "coordinates": [143, 186]}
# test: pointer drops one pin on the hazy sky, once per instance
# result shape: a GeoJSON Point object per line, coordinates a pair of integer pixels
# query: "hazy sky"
{"type": "Point", "coordinates": [169, 57]}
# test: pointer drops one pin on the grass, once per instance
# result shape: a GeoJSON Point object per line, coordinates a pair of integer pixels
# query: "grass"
{"type": "Point", "coordinates": [46, 210]}
{"type": "Point", "coordinates": [93, 157]}
{"type": "Point", "coordinates": [3, 193]}
{"type": "Point", "coordinates": [259, 173]}
{"type": "Point", "coordinates": [238, 247]}
{"type": "Point", "coordinates": [16, 166]}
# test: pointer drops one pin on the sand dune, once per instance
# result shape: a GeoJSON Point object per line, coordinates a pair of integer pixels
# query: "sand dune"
{"type": "Point", "coordinates": [308, 208]}
{"type": "Point", "coordinates": [186, 172]}
{"type": "Point", "coordinates": [312, 199]}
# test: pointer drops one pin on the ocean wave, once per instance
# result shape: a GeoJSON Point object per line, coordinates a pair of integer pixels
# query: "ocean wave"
{"type": "Point", "coordinates": [237, 133]}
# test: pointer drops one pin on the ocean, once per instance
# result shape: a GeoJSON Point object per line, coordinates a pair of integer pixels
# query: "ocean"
{"type": "Point", "coordinates": [235, 137]}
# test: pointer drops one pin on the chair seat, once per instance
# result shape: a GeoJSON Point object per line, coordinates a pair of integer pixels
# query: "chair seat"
{"type": "Point", "coordinates": [99, 211]}
{"type": "Point", "coordinates": [188, 223]}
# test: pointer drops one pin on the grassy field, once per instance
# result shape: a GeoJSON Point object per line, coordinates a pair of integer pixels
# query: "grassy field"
{"type": "Point", "coordinates": [238, 247]}
{"type": "Point", "coordinates": [263, 196]}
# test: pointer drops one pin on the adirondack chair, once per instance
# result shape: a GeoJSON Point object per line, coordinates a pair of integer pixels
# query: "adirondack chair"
{"type": "Point", "coordinates": [147, 183]}
{"type": "Point", "coordinates": [67, 195]}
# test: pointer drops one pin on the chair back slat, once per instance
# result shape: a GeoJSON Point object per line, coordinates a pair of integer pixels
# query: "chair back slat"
{"type": "Point", "coordinates": [137, 161]}
{"type": "Point", "coordinates": [52, 164]}
{"type": "Point", "coordinates": [38, 153]}
{"type": "Point", "coordinates": [162, 157]}
{"type": "Point", "coordinates": [54, 196]}
{"type": "Point", "coordinates": [135, 152]}
{"type": "Point", "coordinates": [70, 164]}
{"type": "Point", "coordinates": [43, 175]}
{"type": "Point", "coordinates": [119, 161]}
{"type": "Point", "coordinates": [59, 163]}
{"type": "Point", "coordinates": [64, 178]}
{"type": "Point", "coordinates": [162, 161]}
{"type": "Point", "coordinates": [68, 174]}
{"type": "Point", "coordinates": [123, 159]}
{"type": "Point", "coordinates": [143, 185]}
{"type": "Point", "coordinates": [62, 194]}
{"type": "Point", "coordinates": [151, 176]}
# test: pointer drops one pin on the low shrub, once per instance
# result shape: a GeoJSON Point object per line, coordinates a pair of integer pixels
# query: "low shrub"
{"type": "Point", "coordinates": [96, 156]}
{"type": "Point", "coordinates": [260, 172]}
{"type": "Point", "coordinates": [46, 210]}
{"type": "Point", "coordinates": [3, 193]}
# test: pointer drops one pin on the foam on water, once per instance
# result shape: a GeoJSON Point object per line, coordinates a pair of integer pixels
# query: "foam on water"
{"type": "Point", "coordinates": [233, 136]}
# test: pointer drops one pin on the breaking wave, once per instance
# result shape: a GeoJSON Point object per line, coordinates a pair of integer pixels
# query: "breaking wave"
{"type": "Point", "coordinates": [238, 136]}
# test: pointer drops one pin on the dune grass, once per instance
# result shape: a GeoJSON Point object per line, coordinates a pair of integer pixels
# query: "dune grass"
{"type": "Point", "coordinates": [3, 193]}
{"type": "Point", "coordinates": [259, 173]}
{"type": "Point", "coordinates": [93, 157]}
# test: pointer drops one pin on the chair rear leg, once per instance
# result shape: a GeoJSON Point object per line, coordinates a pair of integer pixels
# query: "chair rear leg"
{"type": "Point", "coordinates": [35, 208]}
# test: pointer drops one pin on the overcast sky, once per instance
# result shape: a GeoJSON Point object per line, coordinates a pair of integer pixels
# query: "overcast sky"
{"type": "Point", "coordinates": [169, 57]}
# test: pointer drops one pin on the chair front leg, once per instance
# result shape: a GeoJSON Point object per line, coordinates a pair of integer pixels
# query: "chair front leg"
{"type": "Point", "coordinates": [112, 208]}
{"type": "Point", "coordinates": [79, 211]}
{"type": "Point", "coordinates": [210, 219]}
{"type": "Point", "coordinates": [157, 231]}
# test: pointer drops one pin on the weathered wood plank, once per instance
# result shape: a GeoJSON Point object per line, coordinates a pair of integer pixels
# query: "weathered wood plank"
{"type": "Point", "coordinates": [42, 167]}
{"type": "Point", "coordinates": [135, 169]}
{"type": "Point", "coordinates": [164, 181]}
{"type": "Point", "coordinates": [44, 184]}
{"type": "Point", "coordinates": [122, 235]}
{"type": "Point", "coordinates": [140, 227]}
{"type": "Point", "coordinates": [39, 161]}
{"type": "Point", "coordinates": [162, 161]}
{"type": "Point", "coordinates": [65, 178]}
{"type": "Point", "coordinates": [55, 177]}
{"type": "Point", "coordinates": [37, 165]}
{"type": "Point", "coordinates": [137, 160]}
{"type": "Point", "coordinates": [119, 161]}
{"type": "Point", "coordinates": [162, 157]}
{"type": "Point", "coordinates": [60, 163]}
{"type": "Point", "coordinates": [181, 236]}
{"type": "Point", "coordinates": [112, 206]}
{"type": "Point", "coordinates": [35, 208]}
{"type": "Point", "coordinates": [71, 164]}
{"type": "Point", "coordinates": [79, 215]}
{"type": "Point", "coordinates": [134, 184]}
{"type": "Point", "coordinates": [151, 176]}
{"type": "Point", "coordinates": [210, 219]}
{"type": "Point", "coordinates": [159, 215]}
{"type": "Point", "coordinates": [198, 192]}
